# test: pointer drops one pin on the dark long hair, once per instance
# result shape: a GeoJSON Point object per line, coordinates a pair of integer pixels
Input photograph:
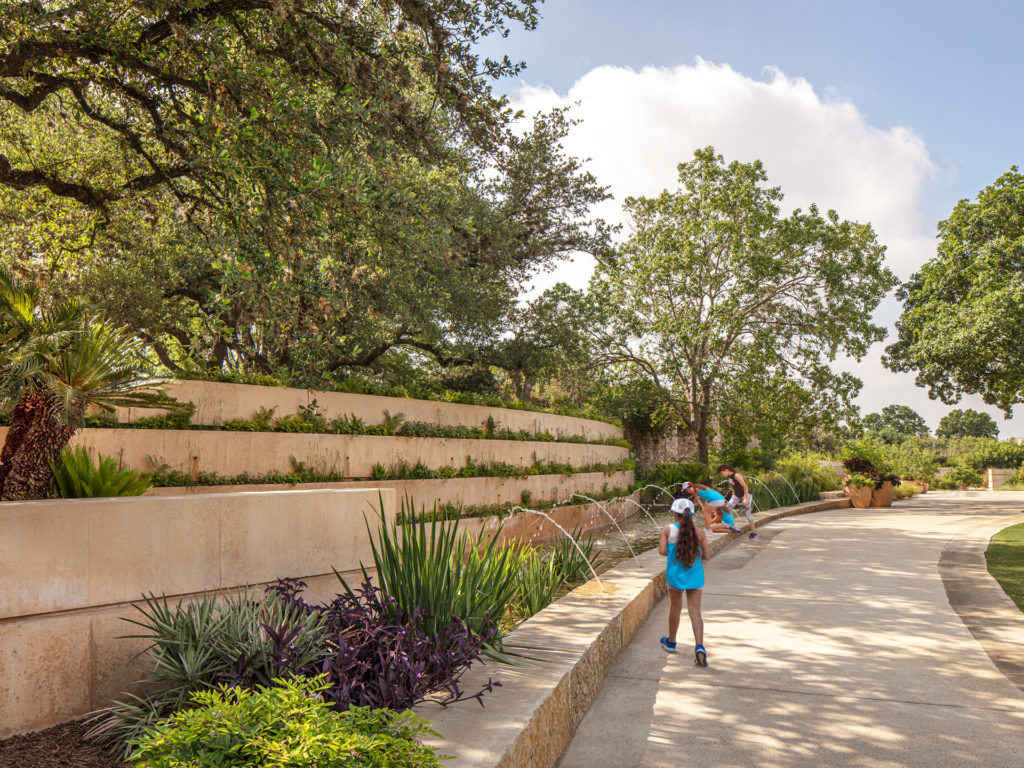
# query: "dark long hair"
{"type": "Point", "coordinates": [688, 544]}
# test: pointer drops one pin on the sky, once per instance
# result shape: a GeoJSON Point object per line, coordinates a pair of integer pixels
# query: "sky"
{"type": "Point", "coordinates": [888, 112]}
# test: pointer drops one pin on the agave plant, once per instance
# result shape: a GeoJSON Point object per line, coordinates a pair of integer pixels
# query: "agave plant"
{"type": "Point", "coordinates": [199, 644]}
{"type": "Point", "coordinates": [55, 363]}
{"type": "Point", "coordinates": [76, 477]}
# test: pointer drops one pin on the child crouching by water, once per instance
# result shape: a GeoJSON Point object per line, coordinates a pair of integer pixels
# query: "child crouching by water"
{"type": "Point", "coordinates": [685, 546]}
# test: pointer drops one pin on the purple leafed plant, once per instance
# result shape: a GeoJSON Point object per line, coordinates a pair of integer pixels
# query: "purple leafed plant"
{"type": "Point", "coordinates": [859, 466]}
{"type": "Point", "coordinates": [372, 655]}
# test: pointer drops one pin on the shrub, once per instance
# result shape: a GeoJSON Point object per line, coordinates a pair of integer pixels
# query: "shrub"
{"type": "Point", "coordinates": [438, 574]}
{"type": "Point", "coordinates": [377, 654]}
{"type": "Point", "coordinates": [198, 644]}
{"type": "Point", "coordinates": [859, 466]}
{"type": "Point", "coordinates": [289, 724]}
{"type": "Point", "coordinates": [177, 419]}
{"type": "Point", "coordinates": [669, 474]}
{"type": "Point", "coordinates": [860, 481]}
{"type": "Point", "coordinates": [569, 562]}
{"type": "Point", "coordinates": [959, 476]}
{"type": "Point", "coordinates": [76, 477]}
{"type": "Point", "coordinates": [806, 472]}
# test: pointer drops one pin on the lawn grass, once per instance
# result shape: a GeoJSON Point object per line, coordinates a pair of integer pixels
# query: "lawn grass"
{"type": "Point", "coordinates": [1005, 557]}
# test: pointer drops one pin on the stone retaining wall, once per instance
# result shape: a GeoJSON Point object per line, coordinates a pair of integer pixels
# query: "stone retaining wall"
{"type": "Point", "coordinates": [232, 453]}
{"type": "Point", "coordinates": [73, 569]}
{"type": "Point", "coordinates": [217, 402]}
{"type": "Point", "coordinates": [467, 491]}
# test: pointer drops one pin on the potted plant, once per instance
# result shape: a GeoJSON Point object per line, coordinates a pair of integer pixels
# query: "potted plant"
{"type": "Point", "coordinates": [882, 495]}
{"type": "Point", "coordinates": [859, 487]}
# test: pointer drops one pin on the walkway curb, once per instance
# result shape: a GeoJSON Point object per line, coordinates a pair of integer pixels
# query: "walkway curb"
{"type": "Point", "coordinates": [529, 721]}
{"type": "Point", "coordinates": [985, 609]}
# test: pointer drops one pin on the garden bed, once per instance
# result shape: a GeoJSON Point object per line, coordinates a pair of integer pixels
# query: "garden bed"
{"type": "Point", "coordinates": [62, 746]}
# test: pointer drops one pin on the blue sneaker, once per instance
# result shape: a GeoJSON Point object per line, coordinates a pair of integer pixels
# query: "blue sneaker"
{"type": "Point", "coordinates": [700, 656]}
{"type": "Point", "coordinates": [734, 529]}
{"type": "Point", "coordinates": [667, 646]}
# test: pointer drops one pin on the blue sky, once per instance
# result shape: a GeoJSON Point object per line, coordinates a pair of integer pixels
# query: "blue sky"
{"type": "Point", "coordinates": [949, 70]}
{"type": "Point", "coordinates": [928, 93]}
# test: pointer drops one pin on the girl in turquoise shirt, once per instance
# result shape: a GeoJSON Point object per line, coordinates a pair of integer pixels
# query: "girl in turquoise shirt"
{"type": "Point", "coordinates": [685, 547]}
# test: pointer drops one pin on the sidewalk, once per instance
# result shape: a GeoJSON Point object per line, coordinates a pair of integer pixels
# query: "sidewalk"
{"type": "Point", "coordinates": [831, 642]}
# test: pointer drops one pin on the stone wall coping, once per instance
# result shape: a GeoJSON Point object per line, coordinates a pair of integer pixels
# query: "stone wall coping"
{"type": "Point", "coordinates": [529, 721]}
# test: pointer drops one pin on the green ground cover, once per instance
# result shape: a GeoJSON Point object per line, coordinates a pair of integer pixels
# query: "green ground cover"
{"type": "Point", "coordinates": [1005, 556]}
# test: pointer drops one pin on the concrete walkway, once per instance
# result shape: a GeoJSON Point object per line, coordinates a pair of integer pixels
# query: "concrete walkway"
{"type": "Point", "coordinates": [831, 642]}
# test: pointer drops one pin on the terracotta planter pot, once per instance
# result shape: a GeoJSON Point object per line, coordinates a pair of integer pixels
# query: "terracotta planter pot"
{"type": "Point", "coordinates": [860, 498]}
{"type": "Point", "coordinates": [920, 488]}
{"type": "Point", "coordinates": [962, 486]}
{"type": "Point", "coordinates": [882, 497]}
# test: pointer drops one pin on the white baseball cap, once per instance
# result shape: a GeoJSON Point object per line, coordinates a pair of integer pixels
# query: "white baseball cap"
{"type": "Point", "coordinates": [682, 506]}
{"type": "Point", "coordinates": [686, 485]}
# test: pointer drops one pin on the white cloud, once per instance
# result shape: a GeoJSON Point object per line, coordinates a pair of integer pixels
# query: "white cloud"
{"type": "Point", "coordinates": [638, 125]}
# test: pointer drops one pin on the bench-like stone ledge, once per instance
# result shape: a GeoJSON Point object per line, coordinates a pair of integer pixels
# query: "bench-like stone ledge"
{"type": "Point", "coordinates": [530, 719]}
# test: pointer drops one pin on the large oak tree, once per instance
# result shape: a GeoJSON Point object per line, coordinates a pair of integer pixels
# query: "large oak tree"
{"type": "Point", "coordinates": [292, 186]}
{"type": "Point", "coordinates": [963, 312]}
{"type": "Point", "coordinates": [735, 310]}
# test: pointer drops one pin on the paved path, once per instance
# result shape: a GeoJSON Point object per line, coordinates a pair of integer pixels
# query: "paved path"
{"type": "Point", "coordinates": [831, 642]}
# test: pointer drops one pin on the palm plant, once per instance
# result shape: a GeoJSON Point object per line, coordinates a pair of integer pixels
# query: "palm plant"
{"type": "Point", "coordinates": [55, 363]}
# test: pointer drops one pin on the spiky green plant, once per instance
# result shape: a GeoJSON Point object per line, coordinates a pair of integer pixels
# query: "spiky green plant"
{"type": "Point", "coordinates": [444, 572]}
{"type": "Point", "coordinates": [76, 477]}
{"type": "Point", "coordinates": [194, 645]}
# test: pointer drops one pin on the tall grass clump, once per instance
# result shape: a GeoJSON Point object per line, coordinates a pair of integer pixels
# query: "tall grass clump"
{"type": "Point", "coordinates": [442, 572]}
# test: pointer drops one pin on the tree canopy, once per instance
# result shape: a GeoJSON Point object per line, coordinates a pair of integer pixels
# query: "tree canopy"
{"type": "Point", "coordinates": [964, 310]}
{"type": "Point", "coordinates": [967, 423]}
{"type": "Point", "coordinates": [282, 185]}
{"type": "Point", "coordinates": [719, 299]}
{"type": "Point", "coordinates": [901, 421]}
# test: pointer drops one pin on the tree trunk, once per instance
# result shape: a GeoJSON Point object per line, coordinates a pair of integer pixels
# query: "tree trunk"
{"type": "Point", "coordinates": [526, 391]}
{"type": "Point", "coordinates": [702, 421]}
{"type": "Point", "coordinates": [34, 440]}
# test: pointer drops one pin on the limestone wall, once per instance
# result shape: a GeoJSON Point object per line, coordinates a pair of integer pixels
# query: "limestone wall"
{"type": "Point", "coordinates": [217, 402]}
{"type": "Point", "coordinates": [72, 569]}
{"type": "Point", "coordinates": [469, 491]}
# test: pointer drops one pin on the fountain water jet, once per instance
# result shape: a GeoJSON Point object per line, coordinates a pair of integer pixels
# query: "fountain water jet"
{"type": "Point", "coordinates": [796, 496]}
{"type": "Point", "coordinates": [769, 491]}
{"type": "Point", "coordinates": [569, 536]}
{"type": "Point", "coordinates": [614, 522]}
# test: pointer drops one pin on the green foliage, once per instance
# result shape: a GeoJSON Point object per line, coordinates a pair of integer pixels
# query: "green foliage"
{"type": "Point", "coordinates": [539, 580]}
{"type": "Point", "coordinates": [778, 298]}
{"type": "Point", "coordinates": [193, 645]}
{"type": "Point", "coordinates": [1005, 560]}
{"type": "Point", "coordinates": [287, 725]}
{"type": "Point", "coordinates": [180, 418]}
{"type": "Point", "coordinates": [860, 481]}
{"type": "Point", "coordinates": [571, 560]}
{"type": "Point", "coordinates": [868, 448]}
{"type": "Point", "coordinates": [808, 475]}
{"type": "Point", "coordinates": [982, 454]}
{"type": "Point", "coordinates": [262, 421]}
{"type": "Point", "coordinates": [444, 572]}
{"type": "Point", "coordinates": [668, 474]}
{"type": "Point", "coordinates": [76, 477]}
{"type": "Point", "coordinates": [960, 476]}
{"type": "Point", "coordinates": [962, 312]}
{"type": "Point", "coordinates": [896, 421]}
{"type": "Point", "coordinates": [403, 470]}
{"type": "Point", "coordinates": [967, 423]}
